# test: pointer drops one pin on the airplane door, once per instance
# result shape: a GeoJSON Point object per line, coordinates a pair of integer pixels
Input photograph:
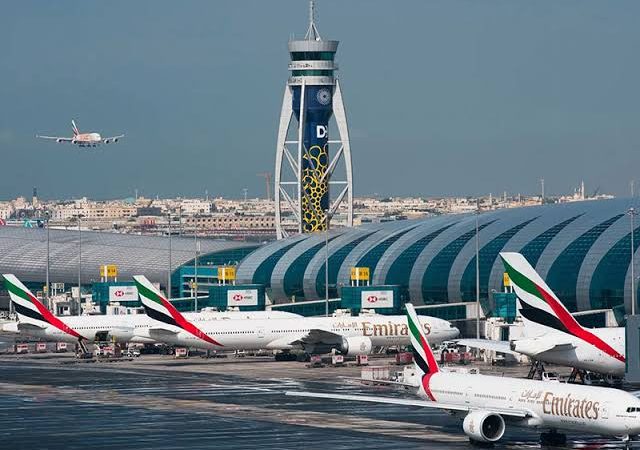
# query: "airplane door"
{"type": "Point", "coordinates": [260, 331]}
{"type": "Point", "coordinates": [604, 411]}
{"type": "Point", "coordinates": [512, 399]}
{"type": "Point", "coordinates": [468, 394]}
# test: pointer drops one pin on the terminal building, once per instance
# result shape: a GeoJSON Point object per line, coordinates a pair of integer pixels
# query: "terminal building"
{"type": "Point", "coordinates": [581, 249]}
{"type": "Point", "coordinates": [23, 252]}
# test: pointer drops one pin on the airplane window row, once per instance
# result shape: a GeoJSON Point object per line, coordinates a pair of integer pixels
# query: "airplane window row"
{"type": "Point", "coordinates": [230, 332]}
{"type": "Point", "coordinates": [496, 397]}
{"type": "Point", "coordinates": [288, 331]}
{"type": "Point", "coordinates": [442, 391]}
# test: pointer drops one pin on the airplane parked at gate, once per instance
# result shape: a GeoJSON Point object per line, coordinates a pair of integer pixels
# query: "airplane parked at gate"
{"type": "Point", "coordinates": [552, 334]}
{"type": "Point", "coordinates": [35, 320]}
{"type": "Point", "coordinates": [83, 139]}
{"type": "Point", "coordinates": [314, 335]}
{"type": "Point", "coordinates": [488, 404]}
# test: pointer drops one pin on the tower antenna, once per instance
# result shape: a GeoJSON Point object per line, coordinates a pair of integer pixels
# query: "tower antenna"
{"type": "Point", "coordinates": [312, 32]}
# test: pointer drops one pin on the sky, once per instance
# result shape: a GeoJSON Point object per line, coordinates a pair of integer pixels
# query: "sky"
{"type": "Point", "coordinates": [443, 97]}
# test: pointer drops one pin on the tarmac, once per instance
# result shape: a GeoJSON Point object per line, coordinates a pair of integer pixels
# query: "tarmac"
{"type": "Point", "coordinates": [54, 402]}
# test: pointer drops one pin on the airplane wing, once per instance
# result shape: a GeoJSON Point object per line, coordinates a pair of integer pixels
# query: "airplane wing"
{"type": "Point", "coordinates": [520, 413]}
{"type": "Point", "coordinates": [488, 344]}
{"type": "Point", "coordinates": [384, 382]}
{"type": "Point", "coordinates": [160, 331]}
{"type": "Point", "coordinates": [55, 138]}
{"type": "Point", "coordinates": [112, 139]}
{"type": "Point", "coordinates": [317, 336]}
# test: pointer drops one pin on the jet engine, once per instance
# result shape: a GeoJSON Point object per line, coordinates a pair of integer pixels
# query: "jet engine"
{"type": "Point", "coordinates": [359, 345]}
{"type": "Point", "coordinates": [483, 426]}
{"type": "Point", "coordinates": [59, 141]}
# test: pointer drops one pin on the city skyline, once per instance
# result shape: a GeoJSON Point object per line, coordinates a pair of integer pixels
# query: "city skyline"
{"type": "Point", "coordinates": [435, 92]}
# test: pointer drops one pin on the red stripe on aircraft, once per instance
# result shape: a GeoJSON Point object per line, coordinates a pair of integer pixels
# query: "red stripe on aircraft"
{"type": "Point", "coordinates": [426, 378]}
{"type": "Point", "coordinates": [186, 325]}
{"type": "Point", "coordinates": [431, 360]}
{"type": "Point", "coordinates": [575, 328]}
{"type": "Point", "coordinates": [53, 320]}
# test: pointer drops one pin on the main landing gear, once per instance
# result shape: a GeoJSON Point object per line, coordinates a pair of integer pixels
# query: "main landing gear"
{"type": "Point", "coordinates": [536, 370]}
{"type": "Point", "coordinates": [575, 375]}
{"type": "Point", "coordinates": [553, 438]}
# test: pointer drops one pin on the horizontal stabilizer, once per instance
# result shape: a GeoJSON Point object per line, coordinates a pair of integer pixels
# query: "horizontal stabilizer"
{"type": "Point", "coordinates": [157, 331]}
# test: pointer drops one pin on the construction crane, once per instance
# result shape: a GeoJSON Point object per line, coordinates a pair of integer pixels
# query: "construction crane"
{"type": "Point", "coordinates": [267, 179]}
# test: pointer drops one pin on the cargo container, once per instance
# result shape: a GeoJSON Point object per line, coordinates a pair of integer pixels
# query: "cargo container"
{"type": "Point", "coordinates": [61, 347]}
{"type": "Point", "coordinates": [182, 352]}
{"type": "Point", "coordinates": [41, 347]}
{"type": "Point", "coordinates": [373, 373]}
{"type": "Point", "coordinates": [404, 358]}
{"type": "Point", "coordinates": [22, 348]}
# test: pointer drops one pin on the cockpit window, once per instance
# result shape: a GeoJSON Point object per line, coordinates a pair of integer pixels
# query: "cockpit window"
{"type": "Point", "coordinates": [631, 409]}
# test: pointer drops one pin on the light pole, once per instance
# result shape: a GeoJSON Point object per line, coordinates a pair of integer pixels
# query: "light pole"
{"type": "Point", "coordinates": [477, 272]}
{"type": "Point", "coordinates": [169, 268]}
{"type": "Point", "coordinates": [327, 218]}
{"type": "Point", "coordinates": [79, 264]}
{"type": "Point", "coordinates": [632, 213]}
{"type": "Point", "coordinates": [195, 266]}
{"type": "Point", "coordinates": [48, 285]}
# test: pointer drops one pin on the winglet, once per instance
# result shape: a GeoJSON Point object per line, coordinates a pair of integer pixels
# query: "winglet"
{"type": "Point", "coordinates": [159, 308]}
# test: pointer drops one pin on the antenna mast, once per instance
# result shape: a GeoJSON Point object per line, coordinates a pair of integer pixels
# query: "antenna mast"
{"type": "Point", "coordinates": [312, 32]}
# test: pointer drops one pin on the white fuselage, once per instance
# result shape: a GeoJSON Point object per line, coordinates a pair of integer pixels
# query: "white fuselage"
{"type": "Point", "coordinates": [551, 405]}
{"type": "Point", "coordinates": [286, 334]}
{"type": "Point", "coordinates": [579, 354]}
{"type": "Point", "coordinates": [87, 138]}
{"type": "Point", "coordinates": [121, 328]}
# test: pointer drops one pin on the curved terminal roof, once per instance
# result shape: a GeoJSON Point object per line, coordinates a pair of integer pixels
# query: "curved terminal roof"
{"type": "Point", "coordinates": [23, 252]}
{"type": "Point", "coordinates": [582, 249]}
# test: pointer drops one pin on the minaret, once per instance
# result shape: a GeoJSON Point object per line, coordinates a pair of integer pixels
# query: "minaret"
{"type": "Point", "coordinates": [304, 171]}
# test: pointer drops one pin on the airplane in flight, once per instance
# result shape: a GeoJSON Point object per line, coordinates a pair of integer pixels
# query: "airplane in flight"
{"type": "Point", "coordinates": [314, 335]}
{"type": "Point", "coordinates": [83, 139]}
{"type": "Point", "coordinates": [487, 404]}
{"type": "Point", "coordinates": [551, 333]}
{"type": "Point", "coordinates": [35, 320]}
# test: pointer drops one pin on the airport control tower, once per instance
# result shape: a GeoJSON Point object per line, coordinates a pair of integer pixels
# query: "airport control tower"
{"type": "Point", "coordinates": [312, 96]}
